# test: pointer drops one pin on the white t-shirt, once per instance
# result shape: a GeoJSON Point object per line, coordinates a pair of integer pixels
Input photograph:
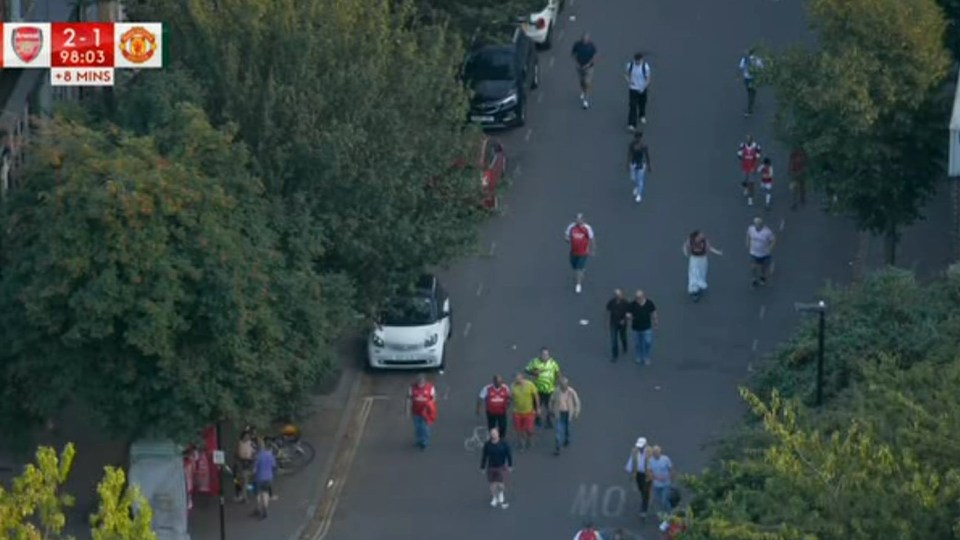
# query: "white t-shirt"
{"type": "Point", "coordinates": [639, 75]}
{"type": "Point", "coordinates": [761, 241]}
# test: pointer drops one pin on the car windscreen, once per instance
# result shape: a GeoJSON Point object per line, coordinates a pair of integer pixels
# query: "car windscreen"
{"type": "Point", "coordinates": [495, 66]}
{"type": "Point", "coordinates": [409, 311]}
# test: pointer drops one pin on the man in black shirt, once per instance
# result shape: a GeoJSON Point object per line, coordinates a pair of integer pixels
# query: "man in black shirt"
{"type": "Point", "coordinates": [618, 307]}
{"type": "Point", "coordinates": [584, 54]}
{"type": "Point", "coordinates": [644, 318]}
{"type": "Point", "coordinates": [497, 460]}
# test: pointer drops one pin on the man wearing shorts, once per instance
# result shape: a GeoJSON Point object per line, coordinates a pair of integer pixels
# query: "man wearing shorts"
{"type": "Point", "coordinates": [760, 243]}
{"type": "Point", "coordinates": [264, 467]}
{"type": "Point", "coordinates": [526, 407]}
{"type": "Point", "coordinates": [580, 237]}
{"type": "Point", "coordinates": [497, 461]}
{"type": "Point", "coordinates": [584, 54]}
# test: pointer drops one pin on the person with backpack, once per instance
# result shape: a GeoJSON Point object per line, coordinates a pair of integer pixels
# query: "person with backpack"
{"type": "Point", "coordinates": [750, 64]}
{"type": "Point", "coordinates": [638, 163]}
{"type": "Point", "coordinates": [588, 532]}
{"type": "Point", "coordinates": [580, 237]}
{"type": "Point", "coordinates": [637, 75]}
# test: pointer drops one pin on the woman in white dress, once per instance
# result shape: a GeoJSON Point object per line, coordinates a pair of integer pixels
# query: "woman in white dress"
{"type": "Point", "coordinates": [696, 249]}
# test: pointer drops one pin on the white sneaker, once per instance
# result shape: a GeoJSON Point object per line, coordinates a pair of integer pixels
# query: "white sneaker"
{"type": "Point", "coordinates": [504, 505]}
{"type": "Point", "coordinates": [749, 201]}
{"type": "Point", "coordinates": [578, 288]}
{"type": "Point", "coordinates": [494, 502]}
{"type": "Point", "coordinates": [586, 104]}
{"type": "Point", "coordinates": [638, 197]}
{"type": "Point", "coordinates": [634, 192]}
{"type": "Point", "coordinates": [583, 96]}
{"type": "Point", "coordinates": [501, 498]}
{"type": "Point", "coordinates": [643, 119]}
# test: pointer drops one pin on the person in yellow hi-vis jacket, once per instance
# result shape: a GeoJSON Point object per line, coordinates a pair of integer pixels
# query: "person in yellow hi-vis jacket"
{"type": "Point", "coordinates": [545, 372]}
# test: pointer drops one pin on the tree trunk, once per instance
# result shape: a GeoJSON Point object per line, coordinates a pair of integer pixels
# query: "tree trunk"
{"type": "Point", "coordinates": [890, 242]}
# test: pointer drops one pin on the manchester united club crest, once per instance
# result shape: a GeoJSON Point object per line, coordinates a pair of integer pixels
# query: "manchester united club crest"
{"type": "Point", "coordinates": [138, 45]}
{"type": "Point", "coordinates": [27, 42]}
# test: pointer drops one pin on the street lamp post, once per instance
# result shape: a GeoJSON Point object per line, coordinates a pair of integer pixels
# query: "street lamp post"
{"type": "Point", "coordinates": [223, 525]}
{"type": "Point", "coordinates": [820, 308]}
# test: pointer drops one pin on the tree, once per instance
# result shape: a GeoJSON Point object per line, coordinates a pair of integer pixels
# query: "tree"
{"type": "Point", "coordinates": [951, 9]}
{"type": "Point", "coordinates": [806, 485]}
{"type": "Point", "coordinates": [33, 509]}
{"type": "Point", "coordinates": [865, 107]}
{"type": "Point", "coordinates": [349, 109]}
{"type": "Point", "coordinates": [146, 284]}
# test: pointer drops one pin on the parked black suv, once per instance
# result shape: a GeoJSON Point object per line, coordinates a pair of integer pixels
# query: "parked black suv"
{"type": "Point", "coordinates": [499, 77]}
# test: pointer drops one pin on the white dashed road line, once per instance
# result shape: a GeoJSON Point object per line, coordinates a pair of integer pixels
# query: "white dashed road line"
{"type": "Point", "coordinates": [552, 61]}
{"type": "Point", "coordinates": [517, 170]}
{"type": "Point", "coordinates": [480, 289]}
{"type": "Point", "coordinates": [754, 346]}
{"type": "Point", "coordinates": [763, 312]}
{"type": "Point", "coordinates": [528, 135]}
{"type": "Point", "coordinates": [466, 329]}
{"type": "Point", "coordinates": [540, 97]}
{"type": "Point", "coordinates": [783, 223]}
{"type": "Point", "coordinates": [493, 248]}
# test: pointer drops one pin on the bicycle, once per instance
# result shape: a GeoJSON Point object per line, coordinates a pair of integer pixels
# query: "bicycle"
{"type": "Point", "coordinates": [476, 441]}
{"type": "Point", "coordinates": [291, 452]}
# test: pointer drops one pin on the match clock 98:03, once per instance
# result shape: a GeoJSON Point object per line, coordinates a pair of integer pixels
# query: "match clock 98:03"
{"type": "Point", "coordinates": [81, 45]}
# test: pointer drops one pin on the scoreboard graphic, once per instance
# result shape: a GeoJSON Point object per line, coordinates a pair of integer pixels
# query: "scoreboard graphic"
{"type": "Point", "coordinates": [82, 53]}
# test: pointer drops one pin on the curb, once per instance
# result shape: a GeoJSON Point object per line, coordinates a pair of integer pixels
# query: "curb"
{"type": "Point", "coordinates": [314, 516]}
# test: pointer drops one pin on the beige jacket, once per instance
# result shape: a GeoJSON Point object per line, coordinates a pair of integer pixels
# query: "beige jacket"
{"type": "Point", "coordinates": [565, 401]}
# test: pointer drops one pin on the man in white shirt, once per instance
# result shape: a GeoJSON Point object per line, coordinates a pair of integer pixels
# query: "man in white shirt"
{"type": "Point", "coordinates": [749, 65]}
{"type": "Point", "coordinates": [637, 75]}
{"type": "Point", "coordinates": [760, 244]}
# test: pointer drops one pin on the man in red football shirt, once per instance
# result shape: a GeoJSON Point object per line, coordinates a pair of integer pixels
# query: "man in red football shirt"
{"type": "Point", "coordinates": [495, 399]}
{"type": "Point", "coordinates": [580, 237]}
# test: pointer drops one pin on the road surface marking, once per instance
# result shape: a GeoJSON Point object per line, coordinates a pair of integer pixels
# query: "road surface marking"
{"type": "Point", "coordinates": [540, 97]}
{"type": "Point", "coordinates": [336, 486]}
{"type": "Point", "coordinates": [493, 248]}
{"type": "Point", "coordinates": [763, 312]}
{"type": "Point", "coordinates": [560, 35]}
{"type": "Point", "coordinates": [466, 329]}
{"type": "Point", "coordinates": [783, 223]}
{"type": "Point", "coordinates": [528, 135]}
{"type": "Point", "coordinates": [480, 289]}
{"type": "Point", "coordinates": [749, 368]}
{"type": "Point", "coordinates": [517, 170]}
{"type": "Point", "coordinates": [584, 322]}
{"type": "Point", "coordinates": [572, 2]}
{"type": "Point", "coordinates": [754, 346]}
{"type": "Point", "coordinates": [553, 60]}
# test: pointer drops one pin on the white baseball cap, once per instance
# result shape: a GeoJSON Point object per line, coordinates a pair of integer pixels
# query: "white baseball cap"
{"type": "Point", "coordinates": [641, 442]}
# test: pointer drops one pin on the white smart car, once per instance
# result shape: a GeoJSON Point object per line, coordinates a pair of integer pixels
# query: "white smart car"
{"type": "Point", "coordinates": [540, 25]}
{"type": "Point", "coordinates": [413, 329]}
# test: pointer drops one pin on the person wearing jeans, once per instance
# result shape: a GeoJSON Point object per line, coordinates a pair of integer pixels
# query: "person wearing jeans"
{"type": "Point", "coordinates": [617, 308]}
{"type": "Point", "coordinates": [423, 408]}
{"type": "Point", "coordinates": [644, 319]}
{"type": "Point", "coordinates": [638, 162]}
{"type": "Point", "coordinates": [564, 406]}
{"type": "Point", "coordinates": [661, 474]}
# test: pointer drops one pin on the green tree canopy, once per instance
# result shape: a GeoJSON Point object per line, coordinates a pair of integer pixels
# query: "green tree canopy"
{"type": "Point", "coordinates": [865, 107]}
{"type": "Point", "coordinates": [33, 509]}
{"type": "Point", "coordinates": [350, 110]}
{"type": "Point", "coordinates": [145, 283]}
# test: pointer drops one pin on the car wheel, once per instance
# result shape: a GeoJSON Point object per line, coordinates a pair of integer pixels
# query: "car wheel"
{"type": "Point", "coordinates": [522, 115]}
{"type": "Point", "coordinates": [535, 83]}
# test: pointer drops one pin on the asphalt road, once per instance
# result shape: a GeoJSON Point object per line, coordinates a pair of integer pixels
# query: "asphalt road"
{"type": "Point", "coordinates": [521, 297]}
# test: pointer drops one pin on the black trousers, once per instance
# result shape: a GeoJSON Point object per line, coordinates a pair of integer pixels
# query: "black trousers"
{"type": "Point", "coordinates": [644, 485]}
{"type": "Point", "coordinates": [638, 107]}
{"type": "Point", "coordinates": [618, 340]}
{"type": "Point", "coordinates": [498, 421]}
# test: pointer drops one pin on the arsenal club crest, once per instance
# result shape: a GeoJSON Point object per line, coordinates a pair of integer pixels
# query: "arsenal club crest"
{"type": "Point", "coordinates": [27, 42]}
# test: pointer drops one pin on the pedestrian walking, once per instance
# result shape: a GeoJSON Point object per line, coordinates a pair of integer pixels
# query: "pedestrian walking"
{"type": "Point", "coordinates": [264, 468]}
{"type": "Point", "coordinates": [495, 399]}
{"type": "Point", "coordinates": [588, 532]}
{"type": "Point", "coordinates": [760, 244]}
{"type": "Point", "coordinates": [798, 178]}
{"type": "Point", "coordinates": [644, 320]}
{"type": "Point", "coordinates": [637, 468]}
{"type": "Point", "coordinates": [526, 407]}
{"type": "Point", "coordinates": [617, 307]}
{"type": "Point", "coordinates": [423, 408]}
{"type": "Point", "coordinates": [565, 407]}
{"type": "Point", "coordinates": [637, 75]}
{"type": "Point", "coordinates": [749, 154]}
{"type": "Point", "coordinates": [497, 461]}
{"type": "Point", "coordinates": [579, 235]}
{"type": "Point", "coordinates": [661, 476]}
{"type": "Point", "coordinates": [750, 65]}
{"type": "Point", "coordinates": [766, 182]}
{"type": "Point", "coordinates": [545, 372]}
{"type": "Point", "coordinates": [584, 53]}
{"type": "Point", "coordinates": [696, 249]}
{"type": "Point", "coordinates": [246, 454]}
{"type": "Point", "coordinates": [638, 163]}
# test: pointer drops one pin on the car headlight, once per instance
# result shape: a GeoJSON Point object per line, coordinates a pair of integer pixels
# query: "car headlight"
{"type": "Point", "coordinates": [376, 340]}
{"type": "Point", "coordinates": [508, 101]}
{"type": "Point", "coordinates": [432, 340]}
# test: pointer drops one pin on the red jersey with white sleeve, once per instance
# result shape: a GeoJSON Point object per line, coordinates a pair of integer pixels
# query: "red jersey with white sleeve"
{"type": "Point", "coordinates": [580, 236]}
{"type": "Point", "coordinates": [496, 398]}
{"type": "Point", "coordinates": [766, 175]}
{"type": "Point", "coordinates": [420, 399]}
{"type": "Point", "coordinates": [749, 154]}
